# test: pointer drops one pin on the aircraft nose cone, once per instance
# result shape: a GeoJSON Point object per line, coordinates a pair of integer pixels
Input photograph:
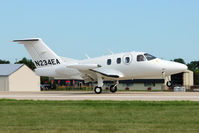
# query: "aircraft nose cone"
{"type": "Point", "coordinates": [171, 67]}
{"type": "Point", "coordinates": [175, 67]}
{"type": "Point", "coordinates": [182, 67]}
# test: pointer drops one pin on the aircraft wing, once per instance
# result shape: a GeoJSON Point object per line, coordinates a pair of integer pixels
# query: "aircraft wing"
{"type": "Point", "coordinates": [108, 72]}
{"type": "Point", "coordinates": [95, 68]}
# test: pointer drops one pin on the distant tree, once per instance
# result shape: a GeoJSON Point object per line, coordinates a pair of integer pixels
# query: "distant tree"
{"type": "Point", "coordinates": [4, 62]}
{"type": "Point", "coordinates": [193, 65]}
{"type": "Point", "coordinates": [27, 62]}
{"type": "Point", "coordinates": [180, 60]}
{"type": "Point", "coordinates": [44, 80]}
{"type": "Point", "coordinates": [196, 77]}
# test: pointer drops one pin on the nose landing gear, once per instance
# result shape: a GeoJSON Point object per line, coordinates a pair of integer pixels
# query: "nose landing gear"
{"type": "Point", "coordinates": [169, 83]}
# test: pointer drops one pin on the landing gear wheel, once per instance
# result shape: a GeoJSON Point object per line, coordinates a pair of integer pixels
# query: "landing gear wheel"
{"type": "Point", "coordinates": [98, 90]}
{"type": "Point", "coordinates": [169, 83]}
{"type": "Point", "coordinates": [113, 89]}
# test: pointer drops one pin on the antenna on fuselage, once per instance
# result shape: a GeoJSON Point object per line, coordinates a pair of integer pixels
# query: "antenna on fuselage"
{"type": "Point", "coordinates": [110, 51]}
{"type": "Point", "coordinates": [87, 56]}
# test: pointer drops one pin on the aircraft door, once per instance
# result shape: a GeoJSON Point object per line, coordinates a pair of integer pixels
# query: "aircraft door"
{"type": "Point", "coordinates": [127, 67]}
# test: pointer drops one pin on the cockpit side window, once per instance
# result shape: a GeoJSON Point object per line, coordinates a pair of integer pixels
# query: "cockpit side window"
{"type": "Point", "coordinates": [140, 58]}
{"type": "Point", "coordinates": [149, 57]}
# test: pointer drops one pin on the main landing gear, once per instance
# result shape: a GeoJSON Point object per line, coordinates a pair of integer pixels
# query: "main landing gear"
{"type": "Point", "coordinates": [113, 88]}
{"type": "Point", "coordinates": [98, 88]}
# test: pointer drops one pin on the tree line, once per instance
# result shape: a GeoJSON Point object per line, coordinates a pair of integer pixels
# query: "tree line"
{"type": "Point", "coordinates": [27, 62]}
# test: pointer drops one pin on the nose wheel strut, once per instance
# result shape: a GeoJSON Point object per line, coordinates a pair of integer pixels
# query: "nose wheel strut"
{"type": "Point", "coordinates": [168, 83]}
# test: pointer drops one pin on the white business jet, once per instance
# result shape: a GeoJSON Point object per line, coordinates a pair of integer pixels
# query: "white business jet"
{"type": "Point", "coordinates": [122, 66]}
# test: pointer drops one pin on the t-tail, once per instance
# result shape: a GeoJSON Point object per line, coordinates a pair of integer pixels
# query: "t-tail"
{"type": "Point", "coordinates": [40, 53]}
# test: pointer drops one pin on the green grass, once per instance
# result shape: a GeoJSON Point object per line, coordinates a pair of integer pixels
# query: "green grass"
{"type": "Point", "coordinates": [98, 117]}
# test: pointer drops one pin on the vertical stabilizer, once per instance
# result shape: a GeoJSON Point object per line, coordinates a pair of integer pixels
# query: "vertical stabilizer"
{"type": "Point", "coordinates": [40, 53]}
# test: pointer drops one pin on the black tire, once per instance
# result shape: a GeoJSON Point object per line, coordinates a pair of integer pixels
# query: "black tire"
{"type": "Point", "coordinates": [98, 90]}
{"type": "Point", "coordinates": [113, 89]}
{"type": "Point", "coordinates": [169, 84]}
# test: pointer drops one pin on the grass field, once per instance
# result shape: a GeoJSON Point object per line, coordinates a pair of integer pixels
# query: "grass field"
{"type": "Point", "coordinates": [98, 117]}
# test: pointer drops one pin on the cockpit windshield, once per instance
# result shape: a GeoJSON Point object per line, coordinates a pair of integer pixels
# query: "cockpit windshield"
{"type": "Point", "coordinates": [149, 57]}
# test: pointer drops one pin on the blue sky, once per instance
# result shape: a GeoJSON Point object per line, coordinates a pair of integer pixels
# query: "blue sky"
{"type": "Point", "coordinates": [165, 28]}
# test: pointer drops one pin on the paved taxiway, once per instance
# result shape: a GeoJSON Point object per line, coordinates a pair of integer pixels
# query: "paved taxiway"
{"type": "Point", "coordinates": [83, 95]}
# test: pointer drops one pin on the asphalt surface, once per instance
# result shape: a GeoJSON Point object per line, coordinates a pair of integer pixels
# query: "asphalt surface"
{"type": "Point", "coordinates": [88, 95]}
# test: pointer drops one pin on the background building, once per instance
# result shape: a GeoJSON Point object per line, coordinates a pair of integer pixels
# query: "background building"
{"type": "Point", "coordinates": [18, 77]}
{"type": "Point", "coordinates": [181, 79]}
{"type": "Point", "coordinates": [185, 79]}
{"type": "Point", "coordinates": [141, 84]}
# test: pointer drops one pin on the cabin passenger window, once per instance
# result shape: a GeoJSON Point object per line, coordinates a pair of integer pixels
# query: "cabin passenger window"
{"type": "Point", "coordinates": [109, 62]}
{"type": "Point", "coordinates": [140, 58]}
{"type": "Point", "coordinates": [127, 60]}
{"type": "Point", "coordinates": [118, 60]}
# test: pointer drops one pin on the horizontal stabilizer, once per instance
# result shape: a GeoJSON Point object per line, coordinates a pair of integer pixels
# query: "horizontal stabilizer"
{"type": "Point", "coordinates": [27, 40]}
